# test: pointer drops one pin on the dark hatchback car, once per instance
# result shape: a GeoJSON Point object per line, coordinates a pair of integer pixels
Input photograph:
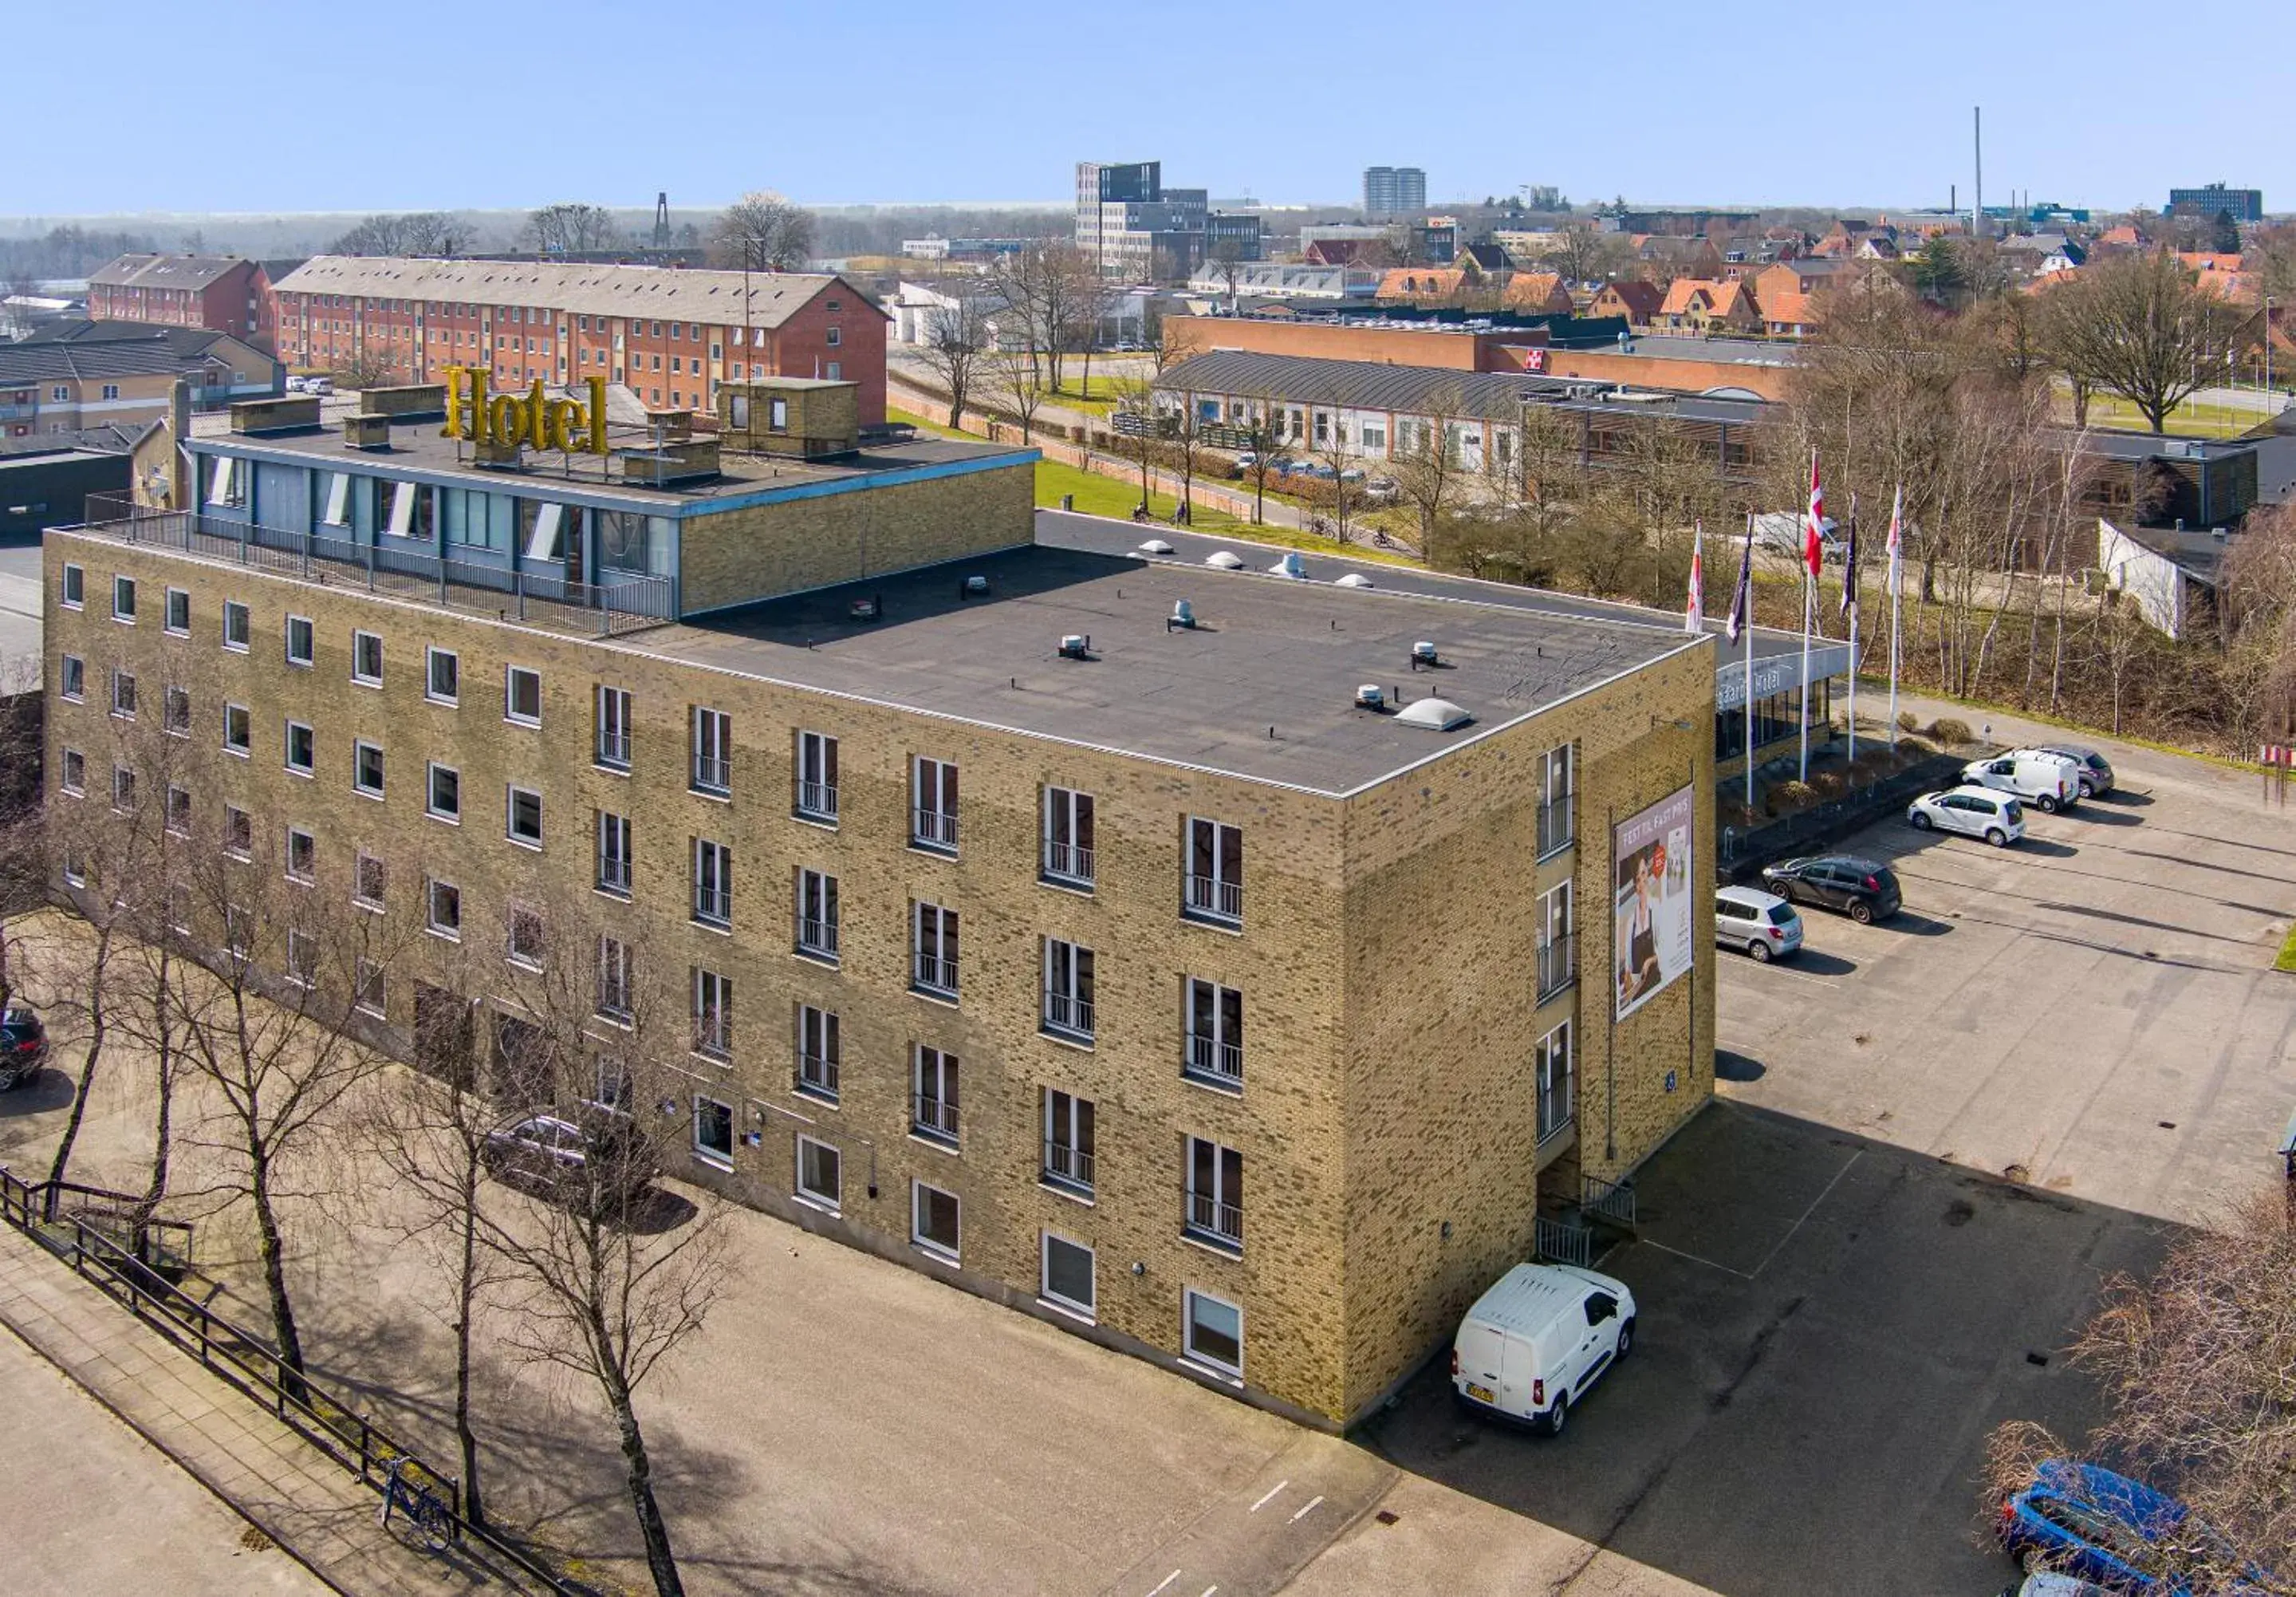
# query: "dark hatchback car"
{"type": "Point", "coordinates": [1865, 890]}
{"type": "Point", "coordinates": [600, 1160]}
{"type": "Point", "coordinates": [23, 1046]}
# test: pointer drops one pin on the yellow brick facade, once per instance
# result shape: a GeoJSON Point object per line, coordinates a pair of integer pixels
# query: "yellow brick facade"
{"type": "Point", "coordinates": [1385, 954]}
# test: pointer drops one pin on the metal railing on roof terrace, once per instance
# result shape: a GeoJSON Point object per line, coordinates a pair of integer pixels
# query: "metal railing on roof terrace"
{"type": "Point", "coordinates": [626, 605]}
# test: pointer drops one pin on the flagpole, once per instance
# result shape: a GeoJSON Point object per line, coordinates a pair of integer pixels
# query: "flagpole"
{"type": "Point", "coordinates": [1749, 684]}
{"type": "Point", "coordinates": [1808, 604]}
{"type": "Point", "coordinates": [1849, 599]}
{"type": "Point", "coordinates": [1895, 536]}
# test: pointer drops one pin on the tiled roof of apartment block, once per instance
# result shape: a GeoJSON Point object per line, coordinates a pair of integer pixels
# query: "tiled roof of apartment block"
{"type": "Point", "coordinates": [757, 299]}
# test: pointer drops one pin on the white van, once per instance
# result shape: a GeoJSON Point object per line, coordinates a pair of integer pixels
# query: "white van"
{"type": "Point", "coordinates": [1539, 1339]}
{"type": "Point", "coordinates": [2047, 782]}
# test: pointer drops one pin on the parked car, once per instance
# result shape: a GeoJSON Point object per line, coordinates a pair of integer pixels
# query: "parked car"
{"type": "Point", "coordinates": [1865, 890]}
{"type": "Point", "coordinates": [1759, 925]}
{"type": "Point", "coordinates": [1385, 488]}
{"type": "Point", "coordinates": [1972, 811]}
{"type": "Point", "coordinates": [2088, 1522]}
{"type": "Point", "coordinates": [295, 385]}
{"type": "Point", "coordinates": [2094, 771]}
{"type": "Point", "coordinates": [556, 1156]}
{"type": "Point", "coordinates": [23, 1045]}
{"type": "Point", "coordinates": [2049, 1583]}
{"type": "Point", "coordinates": [1538, 1339]}
{"type": "Point", "coordinates": [2048, 782]}
{"type": "Point", "coordinates": [318, 385]}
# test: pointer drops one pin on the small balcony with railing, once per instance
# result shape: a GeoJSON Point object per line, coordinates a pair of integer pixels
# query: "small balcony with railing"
{"type": "Point", "coordinates": [817, 937]}
{"type": "Point", "coordinates": [816, 1076]}
{"type": "Point", "coordinates": [817, 800]}
{"type": "Point", "coordinates": [1558, 964]}
{"type": "Point", "coordinates": [935, 974]}
{"type": "Point", "coordinates": [713, 775]}
{"type": "Point", "coordinates": [1069, 863]}
{"type": "Point", "coordinates": [933, 829]}
{"type": "Point", "coordinates": [614, 875]}
{"type": "Point", "coordinates": [1558, 824]}
{"type": "Point", "coordinates": [714, 906]}
{"type": "Point", "coordinates": [1215, 899]}
{"type": "Point", "coordinates": [1215, 1062]}
{"type": "Point", "coordinates": [1214, 1223]}
{"type": "Point", "coordinates": [1067, 1167]}
{"type": "Point", "coordinates": [934, 1118]}
{"type": "Point", "coordinates": [1068, 1017]}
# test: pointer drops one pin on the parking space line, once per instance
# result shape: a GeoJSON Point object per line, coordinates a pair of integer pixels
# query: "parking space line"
{"type": "Point", "coordinates": [1163, 1583]}
{"type": "Point", "coordinates": [1694, 1258]}
{"type": "Point", "coordinates": [1264, 1502]}
{"type": "Point", "coordinates": [1308, 1508]}
{"type": "Point", "coordinates": [1807, 1213]}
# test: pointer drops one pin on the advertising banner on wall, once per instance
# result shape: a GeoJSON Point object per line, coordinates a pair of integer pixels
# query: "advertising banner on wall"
{"type": "Point", "coordinates": [1650, 918]}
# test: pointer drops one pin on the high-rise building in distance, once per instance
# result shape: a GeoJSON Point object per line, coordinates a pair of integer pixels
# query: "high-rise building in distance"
{"type": "Point", "coordinates": [1393, 191]}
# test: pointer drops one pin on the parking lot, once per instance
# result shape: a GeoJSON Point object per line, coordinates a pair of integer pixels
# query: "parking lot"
{"type": "Point", "coordinates": [1937, 1135]}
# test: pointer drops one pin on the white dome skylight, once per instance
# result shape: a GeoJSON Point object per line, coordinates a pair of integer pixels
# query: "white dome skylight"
{"type": "Point", "coordinates": [1353, 580]}
{"type": "Point", "coordinates": [1226, 560]}
{"type": "Point", "coordinates": [1437, 715]}
{"type": "Point", "coordinates": [1155, 545]}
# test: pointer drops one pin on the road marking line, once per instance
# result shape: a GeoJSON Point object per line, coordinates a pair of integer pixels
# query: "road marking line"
{"type": "Point", "coordinates": [1278, 1486]}
{"type": "Point", "coordinates": [1167, 1581]}
{"type": "Point", "coordinates": [1210, 1591]}
{"type": "Point", "coordinates": [1308, 1509]}
{"type": "Point", "coordinates": [1693, 1258]}
{"type": "Point", "coordinates": [1807, 1213]}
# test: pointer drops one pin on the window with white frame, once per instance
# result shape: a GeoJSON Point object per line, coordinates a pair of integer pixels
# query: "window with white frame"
{"type": "Point", "coordinates": [227, 482]}
{"type": "Point", "coordinates": [367, 989]}
{"type": "Point", "coordinates": [73, 679]}
{"type": "Point", "coordinates": [366, 769]}
{"type": "Point", "coordinates": [713, 883]}
{"type": "Point", "coordinates": [713, 752]}
{"type": "Point", "coordinates": [523, 815]}
{"type": "Point", "coordinates": [238, 626]}
{"type": "Point", "coordinates": [123, 600]}
{"type": "Point", "coordinates": [178, 617]}
{"type": "Point", "coordinates": [176, 711]}
{"type": "Point", "coordinates": [819, 1172]}
{"type": "Point", "coordinates": [1212, 1333]}
{"type": "Point", "coordinates": [1067, 1140]}
{"type": "Point", "coordinates": [932, 803]}
{"type": "Point", "coordinates": [934, 933]}
{"type": "Point", "coordinates": [816, 914]}
{"type": "Point", "coordinates": [614, 854]}
{"type": "Point", "coordinates": [1068, 837]}
{"type": "Point", "coordinates": [238, 832]}
{"type": "Point", "coordinates": [1068, 988]}
{"type": "Point", "coordinates": [238, 729]}
{"type": "Point", "coordinates": [1215, 1212]}
{"type": "Point", "coordinates": [74, 593]}
{"type": "Point", "coordinates": [366, 659]}
{"type": "Point", "coordinates": [713, 1013]}
{"type": "Point", "coordinates": [123, 694]}
{"type": "Point", "coordinates": [1557, 799]}
{"type": "Point", "coordinates": [1553, 1063]}
{"type": "Point", "coordinates": [442, 677]}
{"type": "Point", "coordinates": [1067, 1279]}
{"type": "Point", "coordinates": [1215, 884]}
{"type": "Point", "coordinates": [443, 910]}
{"type": "Point", "coordinates": [1215, 1035]}
{"type": "Point", "coordinates": [443, 796]}
{"type": "Point", "coordinates": [179, 811]}
{"type": "Point", "coordinates": [819, 1053]}
{"type": "Point", "coordinates": [934, 1100]}
{"type": "Point", "coordinates": [1558, 950]}
{"type": "Point", "coordinates": [523, 695]}
{"type": "Point", "coordinates": [369, 882]}
{"type": "Point", "coordinates": [303, 958]}
{"type": "Point", "coordinates": [816, 775]}
{"type": "Point", "coordinates": [524, 936]}
{"type": "Point", "coordinates": [123, 788]}
{"type": "Point", "coordinates": [301, 749]}
{"type": "Point", "coordinates": [302, 855]}
{"type": "Point", "coordinates": [300, 640]}
{"type": "Point", "coordinates": [615, 969]}
{"type": "Point", "coordinates": [713, 1130]}
{"type": "Point", "coordinates": [73, 778]}
{"type": "Point", "coordinates": [612, 750]}
{"type": "Point", "coordinates": [934, 1220]}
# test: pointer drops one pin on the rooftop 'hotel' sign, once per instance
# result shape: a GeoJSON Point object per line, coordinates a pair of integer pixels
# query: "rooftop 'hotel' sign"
{"type": "Point", "coordinates": [535, 420]}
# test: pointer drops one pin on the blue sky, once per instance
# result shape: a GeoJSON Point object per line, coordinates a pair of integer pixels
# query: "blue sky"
{"type": "Point", "coordinates": [1840, 103]}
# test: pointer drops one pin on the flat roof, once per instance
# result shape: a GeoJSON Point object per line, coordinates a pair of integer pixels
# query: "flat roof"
{"type": "Point", "coordinates": [418, 448]}
{"type": "Point", "coordinates": [1263, 688]}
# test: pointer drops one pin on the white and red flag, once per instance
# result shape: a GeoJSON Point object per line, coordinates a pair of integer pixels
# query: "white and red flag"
{"type": "Point", "coordinates": [1693, 617]}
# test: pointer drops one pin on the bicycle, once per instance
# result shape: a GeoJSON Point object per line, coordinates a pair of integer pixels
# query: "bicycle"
{"type": "Point", "coordinates": [426, 1510]}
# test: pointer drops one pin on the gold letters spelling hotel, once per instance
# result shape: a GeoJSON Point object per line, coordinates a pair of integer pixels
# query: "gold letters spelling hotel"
{"type": "Point", "coordinates": [535, 420]}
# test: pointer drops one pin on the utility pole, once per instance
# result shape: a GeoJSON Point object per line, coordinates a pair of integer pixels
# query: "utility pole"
{"type": "Point", "coordinates": [1977, 205]}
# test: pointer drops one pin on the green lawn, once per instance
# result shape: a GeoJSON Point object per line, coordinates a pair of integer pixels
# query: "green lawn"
{"type": "Point", "coordinates": [2192, 418]}
{"type": "Point", "coordinates": [2287, 960]}
{"type": "Point", "coordinates": [933, 428]}
{"type": "Point", "coordinates": [1097, 495]}
{"type": "Point", "coordinates": [1072, 394]}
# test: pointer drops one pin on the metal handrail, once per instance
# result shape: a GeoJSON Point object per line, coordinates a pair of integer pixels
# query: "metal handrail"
{"type": "Point", "coordinates": [936, 828]}
{"type": "Point", "coordinates": [1557, 824]}
{"type": "Point", "coordinates": [816, 1073]}
{"type": "Point", "coordinates": [937, 972]}
{"type": "Point", "coordinates": [712, 773]}
{"type": "Point", "coordinates": [1217, 896]}
{"type": "Point", "coordinates": [1209, 1216]}
{"type": "Point", "coordinates": [1558, 964]}
{"type": "Point", "coordinates": [242, 1359]}
{"type": "Point", "coordinates": [1210, 1056]}
{"type": "Point", "coordinates": [935, 1117]}
{"type": "Point", "coordinates": [1066, 1014]}
{"type": "Point", "coordinates": [1070, 861]}
{"type": "Point", "coordinates": [816, 935]}
{"type": "Point", "coordinates": [818, 799]}
{"type": "Point", "coordinates": [714, 905]}
{"type": "Point", "coordinates": [1063, 1163]}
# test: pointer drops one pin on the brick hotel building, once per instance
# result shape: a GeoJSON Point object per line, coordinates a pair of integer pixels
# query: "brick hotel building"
{"type": "Point", "coordinates": [1154, 986]}
{"type": "Point", "coordinates": [672, 335]}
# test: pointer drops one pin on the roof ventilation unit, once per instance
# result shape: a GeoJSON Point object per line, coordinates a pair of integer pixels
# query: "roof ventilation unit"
{"type": "Point", "coordinates": [1155, 545]}
{"type": "Point", "coordinates": [1353, 580]}
{"type": "Point", "coordinates": [1437, 715]}
{"type": "Point", "coordinates": [1291, 565]}
{"type": "Point", "coordinates": [1225, 560]}
{"type": "Point", "coordinates": [1371, 695]}
{"type": "Point", "coordinates": [1183, 618]}
{"type": "Point", "coordinates": [975, 587]}
{"type": "Point", "coordinates": [1422, 654]}
{"type": "Point", "coordinates": [1076, 646]}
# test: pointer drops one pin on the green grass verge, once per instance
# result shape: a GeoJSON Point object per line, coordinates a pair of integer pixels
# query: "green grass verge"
{"type": "Point", "coordinates": [1880, 685]}
{"type": "Point", "coordinates": [2287, 960]}
{"type": "Point", "coordinates": [2192, 417]}
{"type": "Point", "coordinates": [1097, 495]}
{"type": "Point", "coordinates": [895, 415]}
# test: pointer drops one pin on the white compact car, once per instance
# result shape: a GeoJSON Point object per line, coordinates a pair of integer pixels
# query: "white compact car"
{"type": "Point", "coordinates": [2047, 782]}
{"type": "Point", "coordinates": [1761, 925]}
{"type": "Point", "coordinates": [1974, 811]}
{"type": "Point", "coordinates": [1539, 1339]}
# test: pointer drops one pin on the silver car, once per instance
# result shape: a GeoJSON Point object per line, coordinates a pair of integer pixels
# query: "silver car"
{"type": "Point", "coordinates": [1762, 925]}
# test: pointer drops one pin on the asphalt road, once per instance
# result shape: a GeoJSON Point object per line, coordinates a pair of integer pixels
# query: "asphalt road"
{"type": "Point", "coordinates": [1839, 1292]}
{"type": "Point", "coordinates": [19, 608]}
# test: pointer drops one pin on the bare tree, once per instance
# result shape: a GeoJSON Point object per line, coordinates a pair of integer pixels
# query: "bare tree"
{"type": "Point", "coordinates": [1262, 435]}
{"type": "Point", "coordinates": [765, 229]}
{"type": "Point", "coordinates": [1337, 456]}
{"type": "Point", "coordinates": [2141, 326]}
{"type": "Point", "coordinates": [1228, 266]}
{"type": "Point", "coordinates": [1429, 475]}
{"type": "Point", "coordinates": [402, 232]}
{"type": "Point", "coordinates": [1016, 386]}
{"type": "Point", "coordinates": [605, 1287]}
{"type": "Point", "coordinates": [570, 226]}
{"type": "Point", "coordinates": [370, 365]}
{"type": "Point", "coordinates": [956, 341]}
{"type": "Point", "coordinates": [1135, 425]}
